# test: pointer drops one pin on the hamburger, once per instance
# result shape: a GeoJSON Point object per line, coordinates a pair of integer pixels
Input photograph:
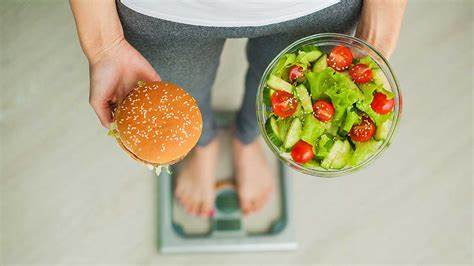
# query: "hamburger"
{"type": "Point", "coordinates": [157, 124]}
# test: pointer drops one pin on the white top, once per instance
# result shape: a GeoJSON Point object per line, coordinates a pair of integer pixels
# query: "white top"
{"type": "Point", "coordinates": [227, 13]}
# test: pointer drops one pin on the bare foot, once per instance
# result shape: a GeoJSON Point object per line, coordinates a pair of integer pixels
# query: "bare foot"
{"type": "Point", "coordinates": [254, 179]}
{"type": "Point", "coordinates": [196, 179]}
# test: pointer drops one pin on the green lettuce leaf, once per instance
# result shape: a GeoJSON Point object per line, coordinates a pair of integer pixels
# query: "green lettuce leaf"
{"type": "Point", "coordinates": [344, 93]}
{"type": "Point", "coordinates": [324, 146]}
{"type": "Point", "coordinates": [320, 82]}
{"type": "Point", "coordinates": [352, 118]}
{"type": "Point", "coordinates": [283, 63]}
{"type": "Point", "coordinates": [369, 88]}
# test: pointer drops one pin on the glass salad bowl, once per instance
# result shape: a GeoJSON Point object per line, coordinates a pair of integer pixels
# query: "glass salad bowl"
{"type": "Point", "coordinates": [318, 166]}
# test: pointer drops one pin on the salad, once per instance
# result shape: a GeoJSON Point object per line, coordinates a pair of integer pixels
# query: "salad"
{"type": "Point", "coordinates": [327, 111]}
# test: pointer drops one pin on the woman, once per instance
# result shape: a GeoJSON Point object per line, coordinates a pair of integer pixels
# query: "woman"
{"type": "Point", "coordinates": [182, 41]}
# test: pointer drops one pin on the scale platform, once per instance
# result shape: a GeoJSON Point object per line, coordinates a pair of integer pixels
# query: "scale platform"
{"type": "Point", "coordinates": [228, 230]}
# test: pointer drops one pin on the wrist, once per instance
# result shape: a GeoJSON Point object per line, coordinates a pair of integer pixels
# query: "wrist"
{"type": "Point", "coordinates": [96, 50]}
{"type": "Point", "coordinates": [98, 26]}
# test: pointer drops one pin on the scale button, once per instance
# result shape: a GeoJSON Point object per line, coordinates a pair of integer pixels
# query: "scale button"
{"type": "Point", "coordinates": [227, 201]}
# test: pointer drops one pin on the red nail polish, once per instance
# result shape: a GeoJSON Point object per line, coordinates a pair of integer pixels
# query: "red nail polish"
{"type": "Point", "coordinates": [211, 213]}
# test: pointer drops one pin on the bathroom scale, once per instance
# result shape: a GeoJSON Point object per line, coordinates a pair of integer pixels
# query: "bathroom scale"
{"type": "Point", "coordinates": [228, 230]}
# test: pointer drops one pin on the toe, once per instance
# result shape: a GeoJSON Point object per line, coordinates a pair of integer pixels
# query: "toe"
{"type": "Point", "coordinates": [265, 197]}
{"type": "Point", "coordinates": [188, 204]}
{"type": "Point", "coordinates": [206, 208]}
{"type": "Point", "coordinates": [246, 207]}
{"type": "Point", "coordinates": [178, 191]}
{"type": "Point", "coordinates": [189, 209]}
{"type": "Point", "coordinates": [183, 200]}
{"type": "Point", "coordinates": [244, 202]}
{"type": "Point", "coordinates": [258, 204]}
{"type": "Point", "coordinates": [200, 209]}
{"type": "Point", "coordinates": [193, 209]}
{"type": "Point", "coordinates": [261, 201]}
{"type": "Point", "coordinates": [253, 206]}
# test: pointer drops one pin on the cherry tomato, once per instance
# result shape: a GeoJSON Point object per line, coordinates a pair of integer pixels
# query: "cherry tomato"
{"type": "Point", "coordinates": [295, 73]}
{"type": "Point", "coordinates": [302, 152]}
{"type": "Point", "coordinates": [361, 73]}
{"type": "Point", "coordinates": [340, 58]}
{"type": "Point", "coordinates": [381, 105]}
{"type": "Point", "coordinates": [323, 110]}
{"type": "Point", "coordinates": [284, 104]}
{"type": "Point", "coordinates": [363, 131]}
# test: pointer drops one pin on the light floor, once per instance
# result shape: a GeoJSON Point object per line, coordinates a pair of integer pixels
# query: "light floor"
{"type": "Point", "coordinates": [69, 195]}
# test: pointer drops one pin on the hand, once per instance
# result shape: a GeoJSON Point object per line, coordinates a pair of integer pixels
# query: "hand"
{"type": "Point", "coordinates": [113, 74]}
{"type": "Point", "coordinates": [380, 24]}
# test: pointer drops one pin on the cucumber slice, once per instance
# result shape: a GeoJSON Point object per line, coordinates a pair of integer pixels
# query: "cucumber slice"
{"type": "Point", "coordinates": [312, 129]}
{"type": "Point", "coordinates": [383, 130]}
{"type": "Point", "coordinates": [367, 60]}
{"type": "Point", "coordinates": [271, 128]}
{"type": "Point", "coordinates": [343, 157]}
{"type": "Point", "coordinates": [267, 93]}
{"type": "Point", "coordinates": [305, 100]}
{"type": "Point", "coordinates": [294, 133]}
{"type": "Point", "coordinates": [283, 126]}
{"type": "Point", "coordinates": [277, 83]}
{"type": "Point", "coordinates": [313, 164]}
{"type": "Point", "coordinates": [363, 150]}
{"type": "Point", "coordinates": [309, 48]}
{"type": "Point", "coordinates": [308, 57]}
{"type": "Point", "coordinates": [338, 156]}
{"type": "Point", "coordinates": [321, 64]}
{"type": "Point", "coordinates": [378, 76]}
{"type": "Point", "coordinates": [299, 113]}
{"type": "Point", "coordinates": [338, 145]}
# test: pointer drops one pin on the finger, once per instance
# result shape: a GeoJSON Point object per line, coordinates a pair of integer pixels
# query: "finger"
{"type": "Point", "coordinates": [150, 74]}
{"type": "Point", "coordinates": [102, 109]}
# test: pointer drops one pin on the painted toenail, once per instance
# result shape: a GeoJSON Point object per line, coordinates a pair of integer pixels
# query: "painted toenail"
{"type": "Point", "coordinates": [211, 213]}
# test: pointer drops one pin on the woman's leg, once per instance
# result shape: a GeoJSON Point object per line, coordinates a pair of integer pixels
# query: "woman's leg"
{"type": "Point", "coordinates": [191, 62]}
{"type": "Point", "coordinates": [253, 173]}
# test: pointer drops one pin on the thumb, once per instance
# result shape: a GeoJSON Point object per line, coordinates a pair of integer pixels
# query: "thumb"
{"type": "Point", "coordinates": [103, 111]}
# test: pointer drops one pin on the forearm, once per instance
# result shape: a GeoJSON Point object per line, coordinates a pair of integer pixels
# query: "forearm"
{"type": "Point", "coordinates": [380, 23]}
{"type": "Point", "coordinates": [98, 26]}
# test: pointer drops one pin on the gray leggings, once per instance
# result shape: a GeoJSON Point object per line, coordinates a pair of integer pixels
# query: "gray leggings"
{"type": "Point", "coordinates": [189, 55]}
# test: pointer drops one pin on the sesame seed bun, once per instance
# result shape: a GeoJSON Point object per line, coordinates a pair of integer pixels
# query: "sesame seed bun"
{"type": "Point", "coordinates": [158, 123]}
